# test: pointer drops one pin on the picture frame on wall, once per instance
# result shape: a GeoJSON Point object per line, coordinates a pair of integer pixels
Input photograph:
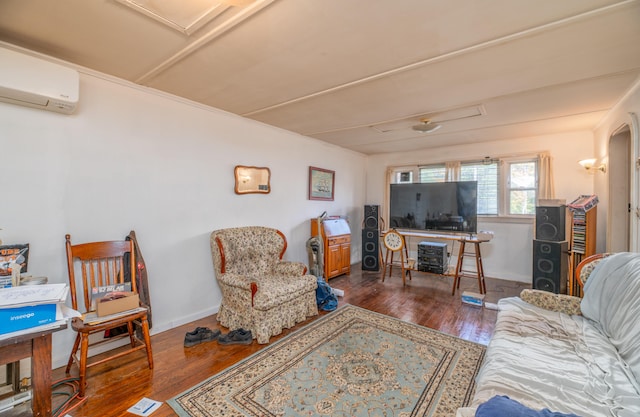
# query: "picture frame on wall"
{"type": "Point", "coordinates": [321, 184]}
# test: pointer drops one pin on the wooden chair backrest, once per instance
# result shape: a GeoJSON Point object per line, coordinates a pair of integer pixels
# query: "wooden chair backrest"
{"type": "Point", "coordinates": [584, 268]}
{"type": "Point", "coordinates": [101, 264]}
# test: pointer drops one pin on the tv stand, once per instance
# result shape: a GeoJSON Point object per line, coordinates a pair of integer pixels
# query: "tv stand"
{"type": "Point", "coordinates": [463, 251]}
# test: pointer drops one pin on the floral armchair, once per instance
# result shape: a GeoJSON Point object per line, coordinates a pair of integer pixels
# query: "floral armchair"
{"type": "Point", "coordinates": [562, 303]}
{"type": "Point", "coordinates": [260, 291]}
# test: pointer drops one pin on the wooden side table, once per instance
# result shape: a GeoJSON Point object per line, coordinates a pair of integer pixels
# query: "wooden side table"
{"type": "Point", "coordinates": [37, 346]}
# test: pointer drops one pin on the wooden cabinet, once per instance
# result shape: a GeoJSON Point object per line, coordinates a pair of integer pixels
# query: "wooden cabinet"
{"type": "Point", "coordinates": [336, 236]}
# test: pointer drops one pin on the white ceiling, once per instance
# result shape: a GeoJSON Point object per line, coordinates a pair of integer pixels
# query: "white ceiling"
{"type": "Point", "coordinates": [359, 73]}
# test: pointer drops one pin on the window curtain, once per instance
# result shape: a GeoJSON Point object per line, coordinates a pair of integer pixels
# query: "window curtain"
{"type": "Point", "coordinates": [546, 190]}
{"type": "Point", "coordinates": [452, 171]}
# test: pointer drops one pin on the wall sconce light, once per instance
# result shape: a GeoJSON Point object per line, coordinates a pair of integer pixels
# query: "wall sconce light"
{"type": "Point", "coordinates": [589, 165]}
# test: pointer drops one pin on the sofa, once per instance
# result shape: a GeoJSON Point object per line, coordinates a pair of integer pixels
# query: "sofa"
{"type": "Point", "coordinates": [566, 354]}
{"type": "Point", "coordinates": [261, 292]}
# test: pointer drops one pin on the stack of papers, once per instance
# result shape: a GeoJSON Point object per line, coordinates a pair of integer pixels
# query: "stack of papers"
{"type": "Point", "coordinates": [31, 308]}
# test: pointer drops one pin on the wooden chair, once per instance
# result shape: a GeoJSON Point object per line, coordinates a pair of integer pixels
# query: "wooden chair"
{"type": "Point", "coordinates": [102, 263]}
{"type": "Point", "coordinates": [394, 242]}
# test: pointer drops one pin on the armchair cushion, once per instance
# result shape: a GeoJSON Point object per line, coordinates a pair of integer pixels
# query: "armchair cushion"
{"type": "Point", "coordinates": [274, 290]}
{"type": "Point", "coordinates": [290, 268]}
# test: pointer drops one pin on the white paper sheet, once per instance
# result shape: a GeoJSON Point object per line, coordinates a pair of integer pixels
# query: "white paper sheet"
{"type": "Point", "coordinates": [33, 294]}
{"type": "Point", "coordinates": [145, 407]}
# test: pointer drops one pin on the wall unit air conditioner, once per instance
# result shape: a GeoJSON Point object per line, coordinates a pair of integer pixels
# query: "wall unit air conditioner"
{"type": "Point", "coordinates": [34, 82]}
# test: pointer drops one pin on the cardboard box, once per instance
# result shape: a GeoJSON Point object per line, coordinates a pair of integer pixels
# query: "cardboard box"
{"type": "Point", "coordinates": [20, 318]}
{"type": "Point", "coordinates": [473, 298]}
{"type": "Point", "coordinates": [111, 305]}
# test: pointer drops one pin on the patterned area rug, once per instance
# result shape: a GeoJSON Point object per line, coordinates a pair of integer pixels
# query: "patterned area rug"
{"type": "Point", "coordinates": [352, 362]}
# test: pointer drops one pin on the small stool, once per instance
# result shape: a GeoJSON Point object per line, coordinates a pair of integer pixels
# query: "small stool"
{"type": "Point", "coordinates": [479, 272]}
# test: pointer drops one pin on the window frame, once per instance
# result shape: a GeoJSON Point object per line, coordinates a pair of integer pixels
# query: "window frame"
{"type": "Point", "coordinates": [506, 164]}
{"type": "Point", "coordinates": [504, 180]}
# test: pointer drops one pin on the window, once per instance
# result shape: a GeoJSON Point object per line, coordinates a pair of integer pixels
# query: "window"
{"type": "Point", "coordinates": [403, 177]}
{"type": "Point", "coordinates": [487, 176]}
{"type": "Point", "coordinates": [506, 187]}
{"type": "Point", "coordinates": [521, 187]}
{"type": "Point", "coordinates": [432, 173]}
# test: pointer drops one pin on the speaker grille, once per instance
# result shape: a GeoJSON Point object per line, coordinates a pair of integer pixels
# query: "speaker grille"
{"type": "Point", "coordinates": [550, 223]}
{"type": "Point", "coordinates": [370, 250]}
{"type": "Point", "coordinates": [371, 217]}
{"type": "Point", "coordinates": [370, 263]}
{"type": "Point", "coordinates": [550, 266]}
{"type": "Point", "coordinates": [545, 284]}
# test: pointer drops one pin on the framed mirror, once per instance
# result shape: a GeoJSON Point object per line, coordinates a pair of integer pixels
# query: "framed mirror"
{"type": "Point", "coordinates": [252, 180]}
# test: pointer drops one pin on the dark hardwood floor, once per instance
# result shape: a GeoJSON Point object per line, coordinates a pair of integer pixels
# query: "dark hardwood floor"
{"type": "Point", "coordinates": [425, 300]}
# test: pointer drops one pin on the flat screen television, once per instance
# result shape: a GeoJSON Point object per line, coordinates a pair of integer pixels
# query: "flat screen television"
{"type": "Point", "coordinates": [435, 206]}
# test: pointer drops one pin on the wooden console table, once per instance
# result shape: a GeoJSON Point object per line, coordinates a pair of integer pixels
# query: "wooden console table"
{"type": "Point", "coordinates": [37, 346]}
{"type": "Point", "coordinates": [463, 240]}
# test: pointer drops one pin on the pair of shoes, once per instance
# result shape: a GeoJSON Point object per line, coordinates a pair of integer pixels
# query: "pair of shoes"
{"type": "Point", "coordinates": [236, 337]}
{"type": "Point", "coordinates": [199, 335]}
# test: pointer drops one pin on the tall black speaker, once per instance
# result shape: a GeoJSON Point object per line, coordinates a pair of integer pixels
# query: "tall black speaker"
{"type": "Point", "coordinates": [550, 223]}
{"type": "Point", "coordinates": [370, 250]}
{"type": "Point", "coordinates": [371, 214]}
{"type": "Point", "coordinates": [550, 266]}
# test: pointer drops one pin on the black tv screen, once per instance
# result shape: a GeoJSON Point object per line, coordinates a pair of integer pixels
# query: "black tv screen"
{"type": "Point", "coordinates": [437, 206]}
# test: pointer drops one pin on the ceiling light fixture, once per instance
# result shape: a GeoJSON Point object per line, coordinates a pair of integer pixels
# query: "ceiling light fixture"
{"type": "Point", "coordinates": [426, 126]}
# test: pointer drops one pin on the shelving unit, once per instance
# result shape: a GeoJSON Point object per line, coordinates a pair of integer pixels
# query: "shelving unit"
{"type": "Point", "coordinates": [583, 243]}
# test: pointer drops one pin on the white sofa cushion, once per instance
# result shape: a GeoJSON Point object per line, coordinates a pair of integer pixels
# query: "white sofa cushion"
{"type": "Point", "coordinates": [545, 359]}
{"type": "Point", "coordinates": [612, 299]}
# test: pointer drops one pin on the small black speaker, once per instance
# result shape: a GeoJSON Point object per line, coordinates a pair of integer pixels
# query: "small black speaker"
{"type": "Point", "coordinates": [370, 250]}
{"type": "Point", "coordinates": [371, 214]}
{"type": "Point", "coordinates": [550, 223]}
{"type": "Point", "coordinates": [550, 266]}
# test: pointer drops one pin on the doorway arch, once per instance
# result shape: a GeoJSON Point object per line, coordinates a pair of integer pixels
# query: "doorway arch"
{"type": "Point", "coordinates": [620, 196]}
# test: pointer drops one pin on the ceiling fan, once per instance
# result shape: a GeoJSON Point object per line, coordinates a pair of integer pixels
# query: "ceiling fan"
{"type": "Point", "coordinates": [426, 126]}
{"type": "Point", "coordinates": [428, 122]}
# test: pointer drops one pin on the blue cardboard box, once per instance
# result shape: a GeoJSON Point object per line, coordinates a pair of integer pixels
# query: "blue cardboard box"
{"type": "Point", "coordinates": [20, 318]}
{"type": "Point", "coordinates": [473, 298]}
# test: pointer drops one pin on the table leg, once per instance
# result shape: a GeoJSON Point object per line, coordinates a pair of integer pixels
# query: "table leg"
{"type": "Point", "coordinates": [482, 286]}
{"type": "Point", "coordinates": [456, 279]}
{"type": "Point", "coordinates": [13, 376]}
{"type": "Point", "coordinates": [41, 376]}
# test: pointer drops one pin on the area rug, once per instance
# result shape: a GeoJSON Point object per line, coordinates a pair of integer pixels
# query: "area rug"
{"type": "Point", "coordinates": [351, 362]}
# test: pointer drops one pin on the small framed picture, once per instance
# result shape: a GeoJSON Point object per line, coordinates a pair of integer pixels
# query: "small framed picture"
{"type": "Point", "coordinates": [9, 254]}
{"type": "Point", "coordinates": [321, 183]}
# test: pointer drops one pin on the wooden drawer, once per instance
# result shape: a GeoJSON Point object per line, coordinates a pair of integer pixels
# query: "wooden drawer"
{"type": "Point", "coordinates": [338, 240]}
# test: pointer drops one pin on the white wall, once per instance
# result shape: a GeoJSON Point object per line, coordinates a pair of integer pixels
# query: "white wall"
{"type": "Point", "coordinates": [134, 159]}
{"type": "Point", "coordinates": [509, 254]}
